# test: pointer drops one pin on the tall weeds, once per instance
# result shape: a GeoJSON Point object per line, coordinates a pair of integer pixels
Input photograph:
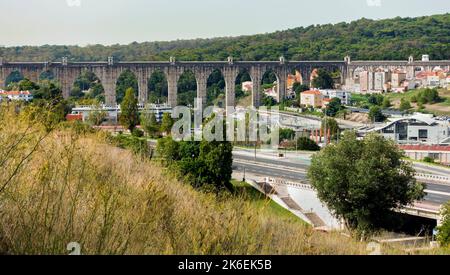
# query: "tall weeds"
{"type": "Point", "coordinates": [69, 185]}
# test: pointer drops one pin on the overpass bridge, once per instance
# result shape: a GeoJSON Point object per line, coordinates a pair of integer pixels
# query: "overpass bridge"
{"type": "Point", "coordinates": [306, 195]}
{"type": "Point", "coordinates": [291, 170]}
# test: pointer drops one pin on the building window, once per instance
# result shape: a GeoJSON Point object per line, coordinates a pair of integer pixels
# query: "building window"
{"type": "Point", "coordinates": [423, 134]}
{"type": "Point", "coordinates": [389, 130]}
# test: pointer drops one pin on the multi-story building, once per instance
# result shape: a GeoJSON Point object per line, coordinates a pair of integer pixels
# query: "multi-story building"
{"type": "Point", "coordinates": [114, 112]}
{"type": "Point", "coordinates": [433, 81]}
{"type": "Point", "coordinates": [397, 79]}
{"type": "Point", "coordinates": [366, 81]}
{"type": "Point", "coordinates": [312, 98]}
{"type": "Point", "coordinates": [344, 96]}
{"type": "Point", "coordinates": [293, 78]}
{"type": "Point", "coordinates": [416, 129]}
{"type": "Point", "coordinates": [17, 95]}
{"type": "Point", "coordinates": [380, 79]}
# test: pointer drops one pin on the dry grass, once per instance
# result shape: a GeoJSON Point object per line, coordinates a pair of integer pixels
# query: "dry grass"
{"type": "Point", "coordinates": [76, 188]}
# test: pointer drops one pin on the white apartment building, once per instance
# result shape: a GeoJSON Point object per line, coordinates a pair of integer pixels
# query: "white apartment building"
{"type": "Point", "coordinates": [416, 129]}
{"type": "Point", "coordinates": [433, 81]}
{"type": "Point", "coordinates": [344, 96]}
{"type": "Point", "coordinates": [17, 95]}
{"type": "Point", "coordinates": [380, 79]}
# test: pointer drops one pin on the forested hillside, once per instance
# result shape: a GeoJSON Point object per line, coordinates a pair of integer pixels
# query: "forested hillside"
{"type": "Point", "coordinates": [364, 39]}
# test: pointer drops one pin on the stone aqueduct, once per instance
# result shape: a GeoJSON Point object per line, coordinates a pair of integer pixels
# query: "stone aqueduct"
{"type": "Point", "coordinates": [108, 72]}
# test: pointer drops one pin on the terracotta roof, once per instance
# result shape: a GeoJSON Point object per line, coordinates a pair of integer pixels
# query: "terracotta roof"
{"type": "Point", "coordinates": [445, 148]}
{"type": "Point", "coordinates": [15, 92]}
{"type": "Point", "coordinates": [312, 92]}
{"type": "Point", "coordinates": [72, 117]}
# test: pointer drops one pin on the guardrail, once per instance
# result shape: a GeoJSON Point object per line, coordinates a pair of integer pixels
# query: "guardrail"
{"type": "Point", "coordinates": [303, 186]}
{"type": "Point", "coordinates": [435, 178]}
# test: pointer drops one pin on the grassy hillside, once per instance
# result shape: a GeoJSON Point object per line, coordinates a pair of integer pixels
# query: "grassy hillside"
{"type": "Point", "coordinates": [71, 184]}
{"type": "Point", "coordinates": [394, 39]}
{"type": "Point", "coordinates": [440, 108]}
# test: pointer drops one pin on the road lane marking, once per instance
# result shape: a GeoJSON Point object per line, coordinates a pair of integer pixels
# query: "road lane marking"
{"type": "Point", "coordinates": [436, 192]}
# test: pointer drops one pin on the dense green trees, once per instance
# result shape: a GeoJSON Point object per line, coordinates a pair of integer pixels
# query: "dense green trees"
{"type": "Point", "coordinates": [334, 107]}
{"type": "Point", "coordinates": [307, 144]}
{"type": "Point", "coordinates": [361, 181]}
{"type": "Point", "coordinates": [363, 39]}
{"type": "Point", "coordinates": [166, 123]}
{"type": "Point", "coordinates": [444, 230]}
{"type": "Point", "coordinates": [405, 105]}
{"type": "Point", "coordinates": [157, 87]}
{"type": "Point", "coordinates": [205, 165]}
{"type": "Point", "coordinates": [88, 86]}
{"type": "Point", "coordinates": [267, 101]}
{"type": "Point", "coordinates": [150, 124]}
{"type": "Point", "coordinates": [330, 124]}
{"type": "Point", "coordinates": [376, 115]}
{"type": "Point", "coordinates": [97, 117]}
{"type": "Point", "coordinates": [125, 81]}
{"type": "Point", "coordinates": [299, 88]}
{"type": "Point", "coordinates": [187, 89]}
{"type": "Point", "coordinates": [23, 85]}
{"type": "Point", "coordinates": [323, 80]}
{"type": "Point", "coordinates": [13, 77]}
{"type": "Point", "coordinates": [386, 103]}
{"type": "Point", "coordinates": [286, 134]}
{"type": "Point", "coordinates": [129, 113]}
{"type": "Point", "coordinates": [426, 96]}
{"type": "Point", "coordinates": [376, 99]}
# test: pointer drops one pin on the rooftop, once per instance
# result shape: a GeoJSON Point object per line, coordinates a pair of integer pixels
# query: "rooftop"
{"type": "Point", "coordinates": [312, 92]}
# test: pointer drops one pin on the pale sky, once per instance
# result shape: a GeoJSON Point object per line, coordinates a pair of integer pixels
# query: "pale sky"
{"type": "Point", "coordinates": [82, 22]}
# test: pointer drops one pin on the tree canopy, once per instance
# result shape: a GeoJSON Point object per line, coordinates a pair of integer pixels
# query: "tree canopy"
{"type": "Point", "coordinates": [361, 181]}
{"type": "Point", "coordinates": [129, 115]}
{"type": "Point", "coordinates": [323, 80]}
{"type": "Point", "coordinates": [444, 229]}
{"type": "Point", "coordinates": [376, 115]}
{"type": "Point", "coordinates": [363, 39]}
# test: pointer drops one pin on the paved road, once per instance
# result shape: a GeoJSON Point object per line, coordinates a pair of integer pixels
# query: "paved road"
{"type": "Point", "coordinates": [269, 171]}
{"type": "Point", "coordinates": [288, 170]}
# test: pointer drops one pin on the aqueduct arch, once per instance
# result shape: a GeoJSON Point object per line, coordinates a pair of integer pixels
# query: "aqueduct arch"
{"type": "Point", "coordinates": [108, 72]}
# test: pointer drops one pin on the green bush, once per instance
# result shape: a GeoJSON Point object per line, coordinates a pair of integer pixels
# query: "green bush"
{"type": "Point", "coordinates": [307, 144]}
{"type": "Point", "coordinates": [444, 230]}
{"type": "Point", "coordinates": [137, 132]}
{"type": "Point", "coordinates": [428, 159]}
{"type": "Point", "coordinates": [137, 145]}
{"type": "Point", "coordinates": [205, 165]}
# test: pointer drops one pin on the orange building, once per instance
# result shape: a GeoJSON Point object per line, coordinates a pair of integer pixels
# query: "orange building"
{"type": "Point", "coordinates": [312, 98]}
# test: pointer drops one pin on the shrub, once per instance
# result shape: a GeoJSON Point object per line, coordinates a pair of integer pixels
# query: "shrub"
{"type": "Point", "coordinates": [307, 144]}
{"type": "Point", "coordinates": [428, 159]}
{"type": "Point", "coordinates": [137, 132]}
{"type": "Point", "coordinates": [444, 230]}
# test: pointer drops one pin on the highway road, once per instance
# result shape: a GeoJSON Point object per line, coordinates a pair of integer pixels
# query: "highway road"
{"type": "Point", "coordinates": [296, 171]}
